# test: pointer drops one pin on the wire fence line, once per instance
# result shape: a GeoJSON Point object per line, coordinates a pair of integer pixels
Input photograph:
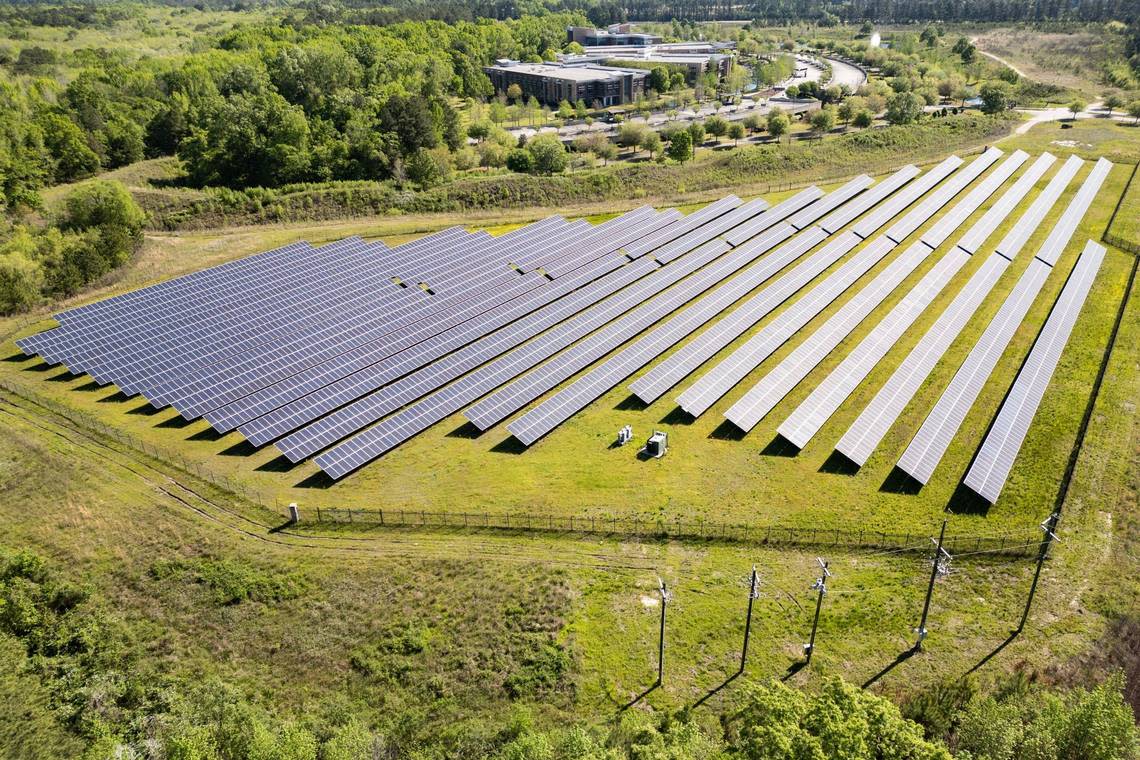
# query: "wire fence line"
{"type": "Point", "coordinates": [1113, 239]}
{"type": "Point", "coordinates": [1008, 545]}
{"type": "Point", "coordinates": [1011, 545]}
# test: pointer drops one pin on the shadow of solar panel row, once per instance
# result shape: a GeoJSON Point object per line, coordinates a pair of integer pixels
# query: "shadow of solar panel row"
{"type": "Point", "coordinates": [758, 401]}
{"type": "Point", "coordinates": [332, 427]}
{"type": "Point", "coordinates": [584, 390]}
{"type": "Point", "coordinates": [357, 304]}
{"type": "Point", "coordinates": [871, 426]}
{"type": "Point", "coordinates": [992, 464]}
{"type": "Point", "coordinates": [307, 370]}
{"type": "Point", "coordinates": [1031, 221]}
{"type": "Point", "coordinates": [825, 399]}
{"type": "Point", "coordinates": [653, 384]}
{"type": "Point", "coordinates": [263, 417]}
{"type": "Point", "coordinates": [924, 452]}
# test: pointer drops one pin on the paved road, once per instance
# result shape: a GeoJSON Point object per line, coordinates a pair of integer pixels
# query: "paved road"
{"type": "Point", "coordinates": [846, 74]}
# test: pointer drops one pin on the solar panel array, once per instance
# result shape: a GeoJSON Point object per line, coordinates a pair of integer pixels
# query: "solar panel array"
{"type": "Point", "coordinates": [996, 456]}
{"type": "Point", "coordinates": [344, 351]}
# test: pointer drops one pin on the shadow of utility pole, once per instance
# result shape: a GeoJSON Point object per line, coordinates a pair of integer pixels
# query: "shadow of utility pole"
{"type": "Point", "coordinates": [903, 657]}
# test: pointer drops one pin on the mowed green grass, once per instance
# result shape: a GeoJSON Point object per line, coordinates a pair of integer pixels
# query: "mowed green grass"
{"type": "Point", "coordinates": [574, 472]}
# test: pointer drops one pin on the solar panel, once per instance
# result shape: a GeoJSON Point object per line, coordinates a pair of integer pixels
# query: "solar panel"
{"type": "Point", "coordinates": [876, 419]}
{"type": "Point", "coordinates": [688, 224]}
{"type": "Point", "coordinates": [315, 359]}
{"type": "Point", "coordinates": [710, 231]}
{"type": "Point", "coordinates": [995, 458]}
{"type": "Point", "coordinates": [890, 208]}
{"type": "Point", "coordinates": [918, 216]}
{"type": "Point", "coordinates": [557, 409]}
{"type": "Point", "coordinates": [698, 397]}
{"type": "Point", "coordinates": [777, 213]}
{"type": "Point", "coordinates": [934, 436]}
{"type": "Point", "coordinates": [1031, 220]}
{"type": "Point", "coordinates": [755, 404]}
{"type": "Point", "coordinates": [997, 213]}
{"type": "Point", "coordinates": [803, 423]}
{"type": "Point", "coordinates": [940, 230]}
{"type": "Point", "coordinates": [840, 218]}
{"type": "Point", "coordinates": [830, 202]}
{"type": "Point", "coordinates": [1076, 210]}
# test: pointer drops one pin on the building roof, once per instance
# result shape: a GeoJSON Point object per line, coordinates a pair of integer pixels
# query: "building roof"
{"type": "Point", "coordinates": [575, 73]}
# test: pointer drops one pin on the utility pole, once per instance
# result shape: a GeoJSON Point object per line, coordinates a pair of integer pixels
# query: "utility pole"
{"type": "Point", "coordinates": [753, 592]}
{"type": "Point", "coordinates": [820, 585]}
{"type": "Point", "coordinates": [1050, 529]}
{"type": "Point", "coordinates": [661, 633]}
{"type": "Point", "coordinates": [936, 567]}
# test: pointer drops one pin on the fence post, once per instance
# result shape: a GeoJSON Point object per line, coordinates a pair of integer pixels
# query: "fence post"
{"type": "Point", "coordinates": [319, 513]}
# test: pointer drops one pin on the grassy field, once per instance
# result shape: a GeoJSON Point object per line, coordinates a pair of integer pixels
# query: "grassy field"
{"type": "Point", "coordinates": [706, 476]}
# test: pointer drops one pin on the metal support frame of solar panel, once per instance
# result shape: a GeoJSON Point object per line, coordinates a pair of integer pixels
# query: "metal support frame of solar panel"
{"type": "Point", "coordinates": [889, 209]}
{"type": "Point", "coordinates": [303, 384]}
{"type": "Point", "coordinates": [840, 218]}
{"type": "Point", "coordinates": [823, 401]}
{"type": "Point", "coordinates": [363, 348]}
{"type": "Point", "coordinates": [830, 202]}
{"type": "Point", "coordinates": [358, 307]}
{"type": "Point", "coordinates": [691, 222]}
{"type": "Point", "coordinates": [376, 406]}
{"type": "Point", "coordinates": [872, 424]}
{"type": "Point", "coordinates": [759, 400]}
{"type": "Point", "coordinates": [394, 368]}
{"type": "Point", "coordinates": [925, 450]}
{"type": "Point", "coordinates": [587, 388]}
{"type": "Point", "coordinates": [653, 384]}
{"type": "Point", "coordinates": [408, 422]}
{"type": "Point", "coordinates": [995, 458]}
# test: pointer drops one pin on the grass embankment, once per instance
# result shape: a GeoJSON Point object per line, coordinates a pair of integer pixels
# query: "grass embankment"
{"type": "Point", "coordinates": [752, 170]}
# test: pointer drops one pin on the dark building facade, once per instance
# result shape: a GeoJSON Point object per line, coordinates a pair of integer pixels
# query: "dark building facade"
{"type": "Point", "coordinates": [551, 84]}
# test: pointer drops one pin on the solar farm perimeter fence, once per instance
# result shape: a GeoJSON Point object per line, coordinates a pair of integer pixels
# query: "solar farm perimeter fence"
{"type": "Point", "coordinates": [1131, 225]}
{"type": "Point", "coordinates": [1012, 545]}
{"type": "Point", "coordinates": [1007, 545]}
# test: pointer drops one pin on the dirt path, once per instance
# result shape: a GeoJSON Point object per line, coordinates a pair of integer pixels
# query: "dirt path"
{"type": "Point", "coordinates": [997, 58]}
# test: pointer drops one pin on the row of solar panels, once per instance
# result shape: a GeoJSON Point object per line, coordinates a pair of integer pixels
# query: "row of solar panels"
{"type": "Point", "coordinates": [329, 347]}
